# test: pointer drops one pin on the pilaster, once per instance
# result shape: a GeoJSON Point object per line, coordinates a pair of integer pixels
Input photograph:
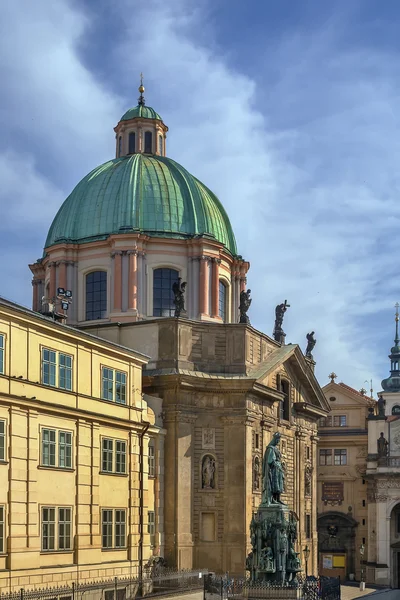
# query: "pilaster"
{"type": "Point", "coordinates": [117, 281]}
{"type": "Point", "coordinates": [132, 280]}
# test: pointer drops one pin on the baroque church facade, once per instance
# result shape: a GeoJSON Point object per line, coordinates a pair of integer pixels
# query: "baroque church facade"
{"type": "Point", "coordinates": [132, 230]}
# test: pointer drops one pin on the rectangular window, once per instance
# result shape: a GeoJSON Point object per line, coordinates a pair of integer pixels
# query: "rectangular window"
{"type": "Point", "coordinates": [151, 526]}
{"type": "Point", "coordinates": [120, 528]}
{"type": "Point", "coordinates": [106, 528]}
{"type": "Point", "coordinates": [64, 528]}
{"type": "Point", "coordinates": [48, 528]}
{"type": "Point", "coordinates": [107, 456]}
{"type": "Point", "coordinates": [340, 421]}
{"type": "Point", "coordinates": [2, 529]}
{"type": "Point", "coordinates": [325, 457]}
{"type": "Point", "coordinates": [1, 354]}
{"type": "Point", "coordinates": [257, 440]}
{"type": "Point", "coordinates": [340, 457]}
{"type": "Point", "coordinates": [152, 460]}
{"type": "Point", "coordinates": [2, 440]}
{"type": "Point", "coordinates": [65, 449]}
{"type": "Point", "coordinates": [120, 457]}
{"type": "Point", "coordinates": [113, 527]}
{"type": "Point", "coordinates": [49, 447]}
{"type": "Point", "coordinates": [113, 385]}
{"type": "Point", "coordinates": [308, 526]}
{"type": "Point", "coordinates": [56, 369]}
{"type": "Point", "coordinates": [56, 448]}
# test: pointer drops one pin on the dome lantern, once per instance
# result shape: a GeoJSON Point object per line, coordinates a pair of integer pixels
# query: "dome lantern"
{"type": "Point", "coordinates": [140, 130]}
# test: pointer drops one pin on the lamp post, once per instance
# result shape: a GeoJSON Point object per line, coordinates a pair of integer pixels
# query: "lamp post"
{"type": "Point", "coordinates": [306, 552]}
{"type": "Point", "coordinates": [362, 582]}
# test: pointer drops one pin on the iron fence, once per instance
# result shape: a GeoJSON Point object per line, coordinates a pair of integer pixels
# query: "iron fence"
{"type": "Point", "coordinates": [118, 588]}
{"type": "Point", "coordinates": [310, 588]}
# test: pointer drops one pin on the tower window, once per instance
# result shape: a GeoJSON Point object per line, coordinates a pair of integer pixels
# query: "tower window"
{"type": "Point", "coordinates": [148, 142]}
{"type": "Point", "coordinates": [132, 142]}
{"type": "Point", "coordinates": [222, 300]}
{"type": "Point", "coordinates": [163, 296]}
{"type": "Point", "coordinates": [119, 145]}
{"type": "Point", "coordinates": [96, 295]}
{"type": "Point", "coordinates": [160, 145]}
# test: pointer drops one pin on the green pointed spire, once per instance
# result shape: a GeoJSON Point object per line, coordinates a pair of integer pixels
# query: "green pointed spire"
{"type": "Point", "coordinates": [392, 383]}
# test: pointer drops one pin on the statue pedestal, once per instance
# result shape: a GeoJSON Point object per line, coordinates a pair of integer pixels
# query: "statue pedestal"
{"type": "Point", "coordinates": [273, 558]}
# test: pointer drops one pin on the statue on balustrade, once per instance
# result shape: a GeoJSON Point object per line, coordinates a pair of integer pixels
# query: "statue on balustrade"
{"type": "Point", "coordinates": [383, 446]}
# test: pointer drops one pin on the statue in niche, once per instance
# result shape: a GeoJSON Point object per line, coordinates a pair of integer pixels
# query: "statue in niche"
{"type": "Point", "coordinates": [267, 562]}
{"type": "Point", "coordinates": [256, 473]}
{"type": "Point", "coordinates": [179, 289]}
{"type": "Point", "coordinates": [244, 306]}
{"type": "Point", "coordinates": [279, 314]}
{"type": "Point", "coordinates": [273, 473]}
{"type": "Point", "coordinates": [382, 446]}
{"type": "Point", "coordinates": [311, 341]}
{"type": "Point", "coordinates": [208, 473]}
{"type": "Point", "coordinates": [308, 479]}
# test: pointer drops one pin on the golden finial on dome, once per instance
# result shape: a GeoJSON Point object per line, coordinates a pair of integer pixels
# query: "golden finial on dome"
{"type": "Point", "coordinates": [141, 90]}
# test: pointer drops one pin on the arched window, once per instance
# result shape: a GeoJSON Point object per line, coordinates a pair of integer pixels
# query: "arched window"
{"type": "Point", "coordinates": [284, 404]}
{"type": "Point", "coordinates": [119, 146]}
{"type": "Point", "coordinates": [222, 300]}
{"type": "Point", "coordinates": [148, 142]}
{"type": "Point", "coordinates": [396, 411]}
{"type": "Point", "coordinates": [132, 142]}
{"type": "Point", "coordinates": [96, 295]}
{"type": "Point", "coordinates": [160, 145]}
{"type": "Point", "coordinates": [163, 296]}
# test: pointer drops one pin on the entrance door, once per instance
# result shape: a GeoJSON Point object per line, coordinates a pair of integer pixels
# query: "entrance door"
{"type": "Point", "coordinates": [397, 582]}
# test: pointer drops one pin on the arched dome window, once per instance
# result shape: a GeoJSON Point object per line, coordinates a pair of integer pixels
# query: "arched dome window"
{"type": "Point", "coordinates": [119, 146]}
{"type": "Point", "coordinates": [96, 295]}
{"type": "Point", "coordinates": [148, 142]}
{"type": "Point", "coordinates": [163, 296]}
{"type": "Point", "coordinates": [160, 145]}
{"type": "Point", "coordinates": [222, 300]}
{"type": "Point", "coordinates": [396, 411]}
{"type": "Point", "coordinates": [132, 142]}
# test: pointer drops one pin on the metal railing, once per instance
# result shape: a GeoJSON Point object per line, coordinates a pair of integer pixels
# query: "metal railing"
{"type": "Point", "coordinates": [119, 588]}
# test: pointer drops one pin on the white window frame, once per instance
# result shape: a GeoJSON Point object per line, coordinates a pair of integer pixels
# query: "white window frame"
{"type": "Point", "coordinates": [55, 523]}
{"type": "Point", "coordinates": [58, 369]}
{"type": "Point", "coordinates": [116, 528]}
{"type": "Point", "coordinates": [152, 459]}
{"type": "Point", "coordinates": [2, 529]}
{"type": "Point", "coordinates": [114, 384]}
{"type": "Point", "coordinates": [3, 437]}
{"type": "Point", "coordinates": [113, 450]}
{"type": "Point", "coordinates": [58, 445]}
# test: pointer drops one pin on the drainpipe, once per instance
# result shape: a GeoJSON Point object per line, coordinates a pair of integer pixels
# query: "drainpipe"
{"type": "Point", "coordinates": [141, 519]}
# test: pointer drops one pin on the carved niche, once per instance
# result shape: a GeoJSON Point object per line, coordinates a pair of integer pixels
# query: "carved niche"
{"type": "Point", "coordinates": [208, 475]}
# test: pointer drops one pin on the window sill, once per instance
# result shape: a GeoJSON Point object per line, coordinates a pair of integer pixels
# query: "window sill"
{"type": "Point", "coordinates": [44, 552]}
{"type": "Point", "coordinates": [112, 473]}
{"type": "Point", "coordinates": [66, 469]}
{"type": "Point", "coordinates": [4, 462]}
{"type": "Point", "coordinates": [114, 549]}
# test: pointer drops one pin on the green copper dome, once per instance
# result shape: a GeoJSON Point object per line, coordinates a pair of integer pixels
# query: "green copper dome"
{"type": "Point", "coordinates": [153, 194]}
{"type": "Point", "coordinates": [145, 112]}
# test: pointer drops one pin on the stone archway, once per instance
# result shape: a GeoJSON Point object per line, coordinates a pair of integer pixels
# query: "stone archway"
{"type": "Point", "coordinates": [395, 546]}
{"type": "Point", "coordinates": [336, 536]}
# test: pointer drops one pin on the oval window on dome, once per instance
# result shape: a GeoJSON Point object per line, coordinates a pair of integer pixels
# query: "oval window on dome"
{"type": "Point", "coordinates": [163, 296]}
{"type": "Point", "coordinates": [148, 142]}
{"type": "Point", "coordinates": [96, 295]}
{"type": "Point", "coordinates": [132, 142]}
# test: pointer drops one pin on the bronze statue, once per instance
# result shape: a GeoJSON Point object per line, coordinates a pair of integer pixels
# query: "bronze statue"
{"type": "Point", "coordinates": [179, 292]}
{"type": "Point", "coordinates": [273, 473]}
{"type": "Point", "coordinates": [382, 446]}
{"type": "Point", "coordinates": [311, 341]}
{"type": "Point", "coordinates": [244, 306]}
{"type": "Point", "coordinates": [280, 310]}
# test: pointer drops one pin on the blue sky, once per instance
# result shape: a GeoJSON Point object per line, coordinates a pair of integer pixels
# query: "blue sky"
{"type": "Point", "coordinates": [289, 111]}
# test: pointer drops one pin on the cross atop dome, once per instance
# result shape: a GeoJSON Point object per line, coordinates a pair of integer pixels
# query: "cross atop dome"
{"type": "Point", "coordinates": [141, 90]}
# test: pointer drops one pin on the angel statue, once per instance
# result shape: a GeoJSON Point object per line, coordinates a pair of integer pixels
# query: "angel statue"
{"type": "Point", "coordinates": [179, 300]}
{"type": "Point", "coordinates": [311, 341]}
{"type": "Point", "coordinates": [244, 306]}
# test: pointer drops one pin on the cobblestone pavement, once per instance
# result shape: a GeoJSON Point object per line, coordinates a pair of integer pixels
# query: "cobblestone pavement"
{"type": "Point", "coordinates": [351, 592]}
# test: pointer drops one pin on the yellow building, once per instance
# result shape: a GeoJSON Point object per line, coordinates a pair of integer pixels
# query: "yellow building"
{"type": "Point", "coordinates": [77, 488]}
{"type": "Point", "coordinates": [341, 482]}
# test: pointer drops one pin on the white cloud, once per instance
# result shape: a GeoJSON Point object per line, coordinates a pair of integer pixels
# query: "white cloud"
{"type": "Point", "coordinates": [313, 203]}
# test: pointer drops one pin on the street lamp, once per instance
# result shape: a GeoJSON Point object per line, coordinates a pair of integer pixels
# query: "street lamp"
{"type": "Point", "coordinates": [362, 583]}
{"type": "Point", "coordinates": [306, 552]}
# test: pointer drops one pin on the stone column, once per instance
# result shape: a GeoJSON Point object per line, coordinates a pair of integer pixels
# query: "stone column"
{"type": "Point", "coordinates": [62, 274]}
{"type": "Point", "coordinates": [117, 281]}
{"type": "Point", "coordinates": [203, 286]}
{"type": "Point", "coordinates": [243, 282]}
{"type": "Point", "coordinates": [52, 289]}
{"type": "Point", "coordinates": [143, 286]}
{"type": "Point", "coordinates": [314, 505]}
{"type": "Point", "coordinates": [132, 280]}
{"type": "Point", "coordinates": [215, 287]}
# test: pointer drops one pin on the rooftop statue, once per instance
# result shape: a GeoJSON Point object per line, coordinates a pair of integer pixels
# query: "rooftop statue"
{"type": "Point", "coordinates": [179, 292]}
{"type": "Point", "coordinates": [244, 306]}
{"type": "Point", "coordinates": [311, 341]}
{"type": "Point", "coordinates": [280, 310]}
